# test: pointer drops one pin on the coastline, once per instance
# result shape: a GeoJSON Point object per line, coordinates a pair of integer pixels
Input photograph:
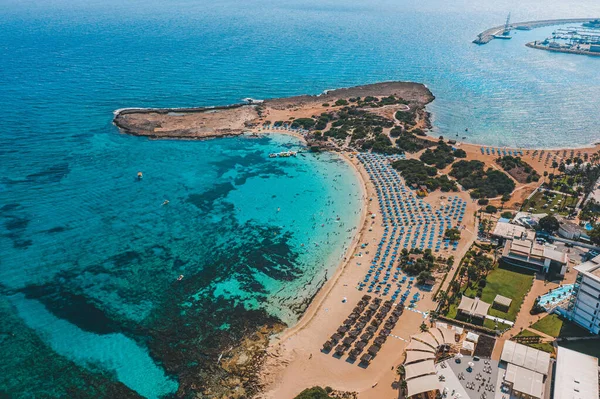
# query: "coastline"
{"type": "Point", "coordinates": [287, 366]}
{"type": "Point", "coordinates": [324, 291]}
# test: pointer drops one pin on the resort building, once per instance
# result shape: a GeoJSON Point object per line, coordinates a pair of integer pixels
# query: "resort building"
{"type": "Point", "coordinates": [507, 231]}
{"type": "Point", "coordinates": [585, 302]}
{"type": "Point", "coordinates": [529, 254]}
{"type": "Point", "coordinates": [569, 230]}
{"type": "Point", "coordinates": [576, 375]}
{"type": "Point", "coordinates": [526, 370]}
{"type": "Point", "coordinates": [473, 307]}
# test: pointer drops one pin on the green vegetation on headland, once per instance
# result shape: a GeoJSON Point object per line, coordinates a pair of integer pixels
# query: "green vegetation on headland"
{"type": "Point", "coordinates": [416, 173]}
{"type": "Point", "coordinates": [441, 156]}
{"type": "Point", "coordinates": [483, 183]}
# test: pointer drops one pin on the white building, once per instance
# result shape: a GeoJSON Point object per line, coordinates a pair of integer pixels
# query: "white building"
{"type": "Point", "coordinates": [526, 370]}
{"type": "Point", "coordinates": [585, 303]}
{"type": "Point", "coordinates": [576, 375]}
{"type": "Point", "coordinates": [531, 255]}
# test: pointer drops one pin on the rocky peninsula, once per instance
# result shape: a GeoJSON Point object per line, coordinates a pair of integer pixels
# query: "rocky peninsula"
{"type": "Point", "coordinates": [233, 120]}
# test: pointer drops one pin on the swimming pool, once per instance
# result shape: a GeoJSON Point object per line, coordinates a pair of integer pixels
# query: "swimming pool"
{"type": "Point", "coordinates": [555, 296]}
{"type": "Point", "coordinates": [589, 226]}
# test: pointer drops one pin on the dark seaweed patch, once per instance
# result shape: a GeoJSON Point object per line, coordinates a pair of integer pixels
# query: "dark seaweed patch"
{"type": "Point", "coordinates": [75, 308]}
{"type": "Point", "coordinates": [53, 174]}
{"type": "Point", "coordinates": [15, 223]}
{"type": "Point", "coordinates": [30, 369]}
{"type": "Point", "coordinates": [206, 201]}
{"type": "Point", "coordinates": [57, 229]}
{"type": "Point", "coordinates": [10, 207]}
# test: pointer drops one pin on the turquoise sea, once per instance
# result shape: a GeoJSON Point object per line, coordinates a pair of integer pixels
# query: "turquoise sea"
{"type": "Point", "coordinates": [89, 257]}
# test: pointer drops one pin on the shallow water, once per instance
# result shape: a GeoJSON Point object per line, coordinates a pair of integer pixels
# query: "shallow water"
{"type": "Point", "coordinates": [90, 257]}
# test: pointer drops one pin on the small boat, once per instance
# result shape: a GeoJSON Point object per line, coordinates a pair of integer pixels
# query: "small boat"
{"type": "Point", "coordinates": [140, 175]}
{"type": "Point", "coordinates": [180, 277]}
{"type": "Point", "coordinates": [165, 202]}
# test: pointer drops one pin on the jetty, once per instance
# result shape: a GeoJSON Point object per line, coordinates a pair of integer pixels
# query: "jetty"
{"type": "Point", "coordinates": [488, 35]}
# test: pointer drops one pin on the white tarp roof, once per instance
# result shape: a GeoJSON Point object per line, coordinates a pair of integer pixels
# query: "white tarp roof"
{"type": "Point", "coordinates": [417, 356]}
{"type": "Point", "coordinates": [418, 369]}
{"type": "Point", "coordinates": [437, 335]}
{"type": "Point", "coordinates": [471, 336]}
{"type": "Point", "coordinates": [426, 338]}
{"type": "Point", "coordinates": [525, 381]}
{"type": "Point", "coordinates": [448, 335]}
{"type": "Point", "coordinates": [473, 307]}
{"type": "Point", "coordinates": [422, 384]}
{"type": "Point", "coordinates": [576, 375]}
{"type": "Point", "coordinates": [468, 345]}
{"type": "Point", "coordinates": [502, 300]}
{"type": "Point", "coordinates": [419, 346]}
{"type": "Point", "coordinates": [524, 356]}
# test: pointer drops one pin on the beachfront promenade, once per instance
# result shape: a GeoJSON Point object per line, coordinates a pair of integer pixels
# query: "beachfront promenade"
{"type": "Point", "coordinates": [488, 35]}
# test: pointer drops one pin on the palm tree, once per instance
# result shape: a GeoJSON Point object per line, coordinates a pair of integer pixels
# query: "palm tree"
{"type": "Point", "coordinates": [400, 371]}
{"type": "Point", "coordinates": [403, 387]}
{"type": "Point", "coordinates": [423, 327]}
{"type": "Point", "coordinates": [442, 298]}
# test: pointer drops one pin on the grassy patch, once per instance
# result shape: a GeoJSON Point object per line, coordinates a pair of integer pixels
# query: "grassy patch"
{"type": "Point", "coordinates": [550, 325]}
{"type": "Point", "coordinates": [556, 326]}
{"type": "Point", "coordinates": [542, 203]}
{"type": "Point", "coordinates": [508, 281]}
{"type": "Point", "coordinates": [527, 333]}
{"type": "Point", "coordinates": [544, 346]}
{"type": "Point", "coordinates": [590, 348]}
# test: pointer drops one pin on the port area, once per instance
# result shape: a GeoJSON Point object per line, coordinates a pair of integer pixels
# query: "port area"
{"type": "Point", "coordinates": [583, 50]}
{"type": "Point", "coordinates": [499, 31]}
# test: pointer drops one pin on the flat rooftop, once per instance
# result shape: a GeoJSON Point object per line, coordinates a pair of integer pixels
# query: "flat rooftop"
{"type": "Point", "coordinates": [591, 268]}
{"type": "Point", "coordinates": [576, 375]}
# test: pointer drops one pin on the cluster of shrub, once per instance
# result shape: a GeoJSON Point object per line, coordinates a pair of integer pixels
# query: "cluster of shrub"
{"type": "Point", "coordinates": [421, 267]}
{"type": "Point", "coordinates": [509, 163]}
{"type": "Point", "coordinates": [483, 183]}
{"type": "Point", "coordinates": [442, 155]}
{"type": "Point", "coordinates": [417, 173]}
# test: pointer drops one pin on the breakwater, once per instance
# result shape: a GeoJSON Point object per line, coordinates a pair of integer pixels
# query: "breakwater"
{"type": "Point", "coordinates": [488, 35]}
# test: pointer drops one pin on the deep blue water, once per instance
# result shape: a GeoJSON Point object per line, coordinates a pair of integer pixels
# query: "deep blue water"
{"type": "Point", "coordinates": [89, 257]}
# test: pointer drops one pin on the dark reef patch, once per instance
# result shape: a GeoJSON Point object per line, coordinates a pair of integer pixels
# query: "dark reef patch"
{"type": "Point", "coordinates": [57, 229]}
{"type": "Point", "coordinates": [53, 174]}
{"type": "Point", "coordinates": [206, 201]}
{"type": "Point", "coordinates": [41, 372]}
{"type": "Point", "coordinates": [75, 308]}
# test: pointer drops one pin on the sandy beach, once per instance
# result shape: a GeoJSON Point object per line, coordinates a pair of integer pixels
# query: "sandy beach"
{"type": "Point", "coordinates": [295, 360]}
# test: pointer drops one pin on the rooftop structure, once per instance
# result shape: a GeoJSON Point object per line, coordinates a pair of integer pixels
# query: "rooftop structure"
{"type": "Point", "coordinates": [508, 231]}
{"type": "Point", "coordinates": [576, 375]}
{"type": "Point", "coordinates": [525, 381]}
{"type": "Point", "coordinates": [526, 369]}
{"type": "Point", "coordinates": [531, 255]}
{"type": "Point", "coordinates": [502, 301]}
{"type": "Point", "coordinates": [473, 307]}
{"type": "Point", "coordinates": [420, 355]}
{"type": "Point", "coordinates": [526, 357]}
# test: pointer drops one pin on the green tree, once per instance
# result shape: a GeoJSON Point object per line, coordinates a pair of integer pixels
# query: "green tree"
{"type": "Point", "coordinates": [423, 327]}
{"type": "Point", "coordinates": [595, 235]}
{"type": "Point", "coordinates": [313, 393]}
{"type": "Point", "coordinates": [549, 223]}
